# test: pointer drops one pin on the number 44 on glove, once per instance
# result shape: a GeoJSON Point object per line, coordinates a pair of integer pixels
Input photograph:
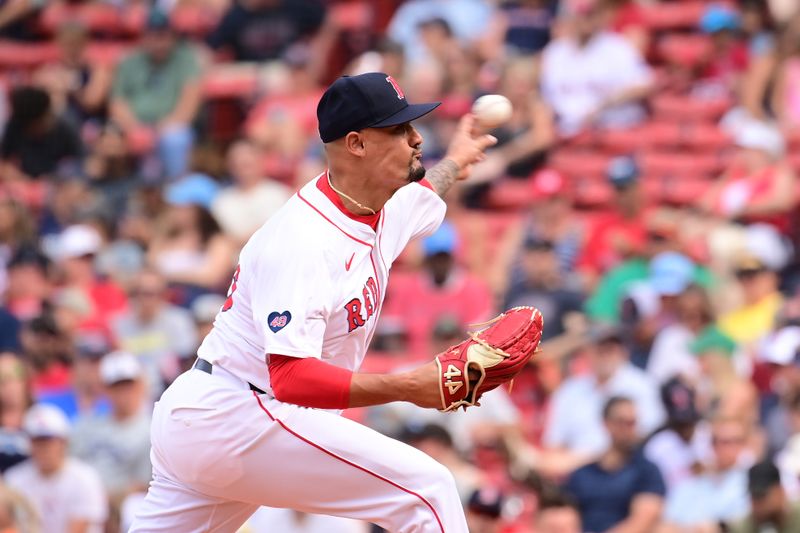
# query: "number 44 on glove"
{"type": "Point", "coordinates": [489, 357]}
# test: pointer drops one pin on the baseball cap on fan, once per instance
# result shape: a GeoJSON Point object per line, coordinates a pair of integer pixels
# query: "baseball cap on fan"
{"type": "Point", "coordinates": [548, 183]}
{"type": "Point", "coordinates": [45, 421]}
{"type": "Point", "coordinates": [117, 367]}
{"type": "Point", "coordinates": [370, 100]}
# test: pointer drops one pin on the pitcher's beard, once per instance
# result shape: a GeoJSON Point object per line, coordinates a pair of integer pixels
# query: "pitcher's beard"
{"type": "Point", "coordinates": [416, 173]}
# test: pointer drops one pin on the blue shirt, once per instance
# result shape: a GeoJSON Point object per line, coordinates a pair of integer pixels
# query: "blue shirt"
{"type": "Point", "coordinates": [604, 497]}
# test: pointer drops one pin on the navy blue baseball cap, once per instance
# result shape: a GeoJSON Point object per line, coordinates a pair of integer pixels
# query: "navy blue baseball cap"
{"type": "Point", "coordinates": [371, 100]}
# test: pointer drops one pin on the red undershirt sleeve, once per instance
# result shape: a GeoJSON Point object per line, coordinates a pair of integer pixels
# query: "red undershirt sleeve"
{"type": "Point", "coordinates": [425, 183]}
{"type": "Point", "coordinates": [309, 382]}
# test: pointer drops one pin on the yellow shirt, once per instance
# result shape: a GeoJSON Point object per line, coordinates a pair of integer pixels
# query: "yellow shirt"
{"type": "Point", "coordinates": [751, 322]}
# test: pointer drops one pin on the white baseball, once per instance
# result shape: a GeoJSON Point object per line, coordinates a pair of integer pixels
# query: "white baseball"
{"type": "Point", "coordinates": [492, 110]}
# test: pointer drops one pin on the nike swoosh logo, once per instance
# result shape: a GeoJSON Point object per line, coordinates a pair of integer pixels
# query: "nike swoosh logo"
{"type": "Point", "coordinates": [348, 263]}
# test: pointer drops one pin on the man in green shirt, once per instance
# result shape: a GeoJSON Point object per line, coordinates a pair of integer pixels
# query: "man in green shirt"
{"type": "Point", "coordinates": [156, 95]}
{"type": "Point", "coordinates": [771, 511]}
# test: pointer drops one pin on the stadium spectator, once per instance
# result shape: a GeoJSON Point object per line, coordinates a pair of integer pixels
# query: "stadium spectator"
{"type": "Point", "coordinates": [725, 393]}
{"type": "Point", "coordinates": [110, 167]}
{"type": "Point", "coordinates": [520, 28]}
{"type": "Point", "coordinates": [720, 492]}
{"type": "Point", "coordinates": [645, 280]}
{"type": "Point", "coordinates": [158, 333]}
{"type": "Point", "coordinates": [727, 59]}
{"type": "Point", "coordinates": [442, 289]}
{"type": "Point", "coordinates": [78, 88]}
{"type": "Point", "coordinates": [621, 233]}
{"type": "Point", "coordinates": [670, 355]}
{"type": "Point", "coordinates": [781, 351]}
{"type": "Point", "coordinates": [651, 304]}
{"type": "Point", "coordinates": [557, 514]}
{"type": "Point", "coordinates": [204, 311]}
{"type": "Point", "coordinates": [252, 198]}
{"type": "Point", "coordinates": [86, 396]}
{"type": "Point", "coordinates": [628, 19]}
{"type": "Point", "coordinates": [484, 510]}
{"type": "Point", "coordinates": [15, 399]}
{"type": "Point", "coordinates": [582, 94]}
{"type": "Point", "coordinates": [756, 269]}
{"type": "Point", "coordinates": [36, 142]}
{"type": "Point", "coordinates": [74, 251]}
{"type": "Point", "coordinates": [17, 228]}
{"type": "Point", "coordinates": [117, 444]}
{"type": "Point", "coordinates": [28, 284]}
{"type": "Point", "coordinates": [49, 353]}
{"type": "Point", "coordinates": [770, 507]}
{"type": "Point", "coordinates": [758, 185]}
{"type": "Point", "coordinates": [467, 19]}
{"type": "Point", "coordinates": [284, 120]}
{"type": "Point", "coordinates": [156, 95]}
{"type": "Point", "coordinates": [579, 434]}
{"type": "Point", "coordinates": [682, 446]}
{"type": "Point", "coordinates": [67, 494]}
{"type": "Point", "coordinates": [545, 287]}
{"type": "Point", "coordinates": [262, 30]}
{"type": "Point", "coordinates": [524, 139]}
{"type": "Point", "coordinates": [622, 490]}
{"type": "Point", "coordinates": [772, 87]}
{"type": "Point", "coordinates": [189, 248]}
{"type": "Point", "coordinates": [551, 218]}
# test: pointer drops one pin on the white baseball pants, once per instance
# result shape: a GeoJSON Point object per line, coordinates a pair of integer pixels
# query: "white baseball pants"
{"type": "Point", "coordinates": [219, 451]}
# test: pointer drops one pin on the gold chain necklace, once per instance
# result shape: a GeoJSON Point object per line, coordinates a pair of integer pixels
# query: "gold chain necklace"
{"type": "Point", "coordinates": [340, 193]}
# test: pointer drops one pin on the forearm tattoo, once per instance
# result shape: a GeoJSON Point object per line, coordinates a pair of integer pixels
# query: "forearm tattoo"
{"type": "Point", "coordinates": [443, 175]}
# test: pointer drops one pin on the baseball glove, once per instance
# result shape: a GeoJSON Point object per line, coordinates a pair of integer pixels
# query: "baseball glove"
{"type": "Point", "coordinates": [489, 357]}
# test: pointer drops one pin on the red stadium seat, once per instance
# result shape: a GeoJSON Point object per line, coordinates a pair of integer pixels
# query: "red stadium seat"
{"type": "Point", "coordinates": [684, 50]}
{"type": "Point", "coordinates": [592, 193]}
{"type": "Point", "coordinates": [510, 194]}
{"type": "Point", "coordinates": [580, 164]}
{"type": "Point", "coordinates": [683, 191]}
{"type": "Point", "coordinates": [649, 135]}
{"type": "Point", "coordinates": [681, 165]}
{"type": "Point", "coordinates": [705, 136]}
{"type": "Point", "coordinates": [193, 20]}
{"type": "Point", "coordinates": [355, 15]}
{"type": "Point", "coordinates": [16, 55]}
{"type": "Point", "coordinates": [670, 107]}
{"type": "Point", "coordinates": [225, 85]}
{"type": "Point", "coordinates": [673, 15]}
{"type": "Point", "coordinates": [133, 19]}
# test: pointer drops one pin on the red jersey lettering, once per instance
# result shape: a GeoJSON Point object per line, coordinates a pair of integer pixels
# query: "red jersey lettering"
{"type": "Point", "coordinates": [397, 88]}
{"type": "Point", "coordinates": [354, 318]}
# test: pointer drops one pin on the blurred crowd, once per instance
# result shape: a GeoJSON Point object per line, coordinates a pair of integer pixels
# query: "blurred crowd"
{"type": "Point", "coordinates": [643, 196]}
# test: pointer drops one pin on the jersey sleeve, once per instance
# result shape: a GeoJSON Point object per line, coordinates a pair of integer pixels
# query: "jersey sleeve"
{"type": "Point", "coordinates": [290, 294]}
{"type": "Point", "coordinates": [414, 211]}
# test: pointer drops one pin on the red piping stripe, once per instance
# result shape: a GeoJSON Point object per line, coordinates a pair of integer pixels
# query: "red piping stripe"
{"type": "Point", "coordinates": [342, 459]}
{"type": "Point", "coordinates": [331, 221]}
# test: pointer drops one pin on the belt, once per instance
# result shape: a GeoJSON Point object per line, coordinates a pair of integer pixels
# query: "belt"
{"type": "Point", "coordinates": [208, 368]}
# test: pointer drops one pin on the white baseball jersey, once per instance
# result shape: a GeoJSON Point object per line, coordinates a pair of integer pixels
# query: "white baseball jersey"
{"type": "Point", "coordinates": [311, 281]}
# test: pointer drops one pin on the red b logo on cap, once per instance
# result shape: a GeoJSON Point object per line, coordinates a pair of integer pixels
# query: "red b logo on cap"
{"type": "Point", "coordinates": [397, 88]}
